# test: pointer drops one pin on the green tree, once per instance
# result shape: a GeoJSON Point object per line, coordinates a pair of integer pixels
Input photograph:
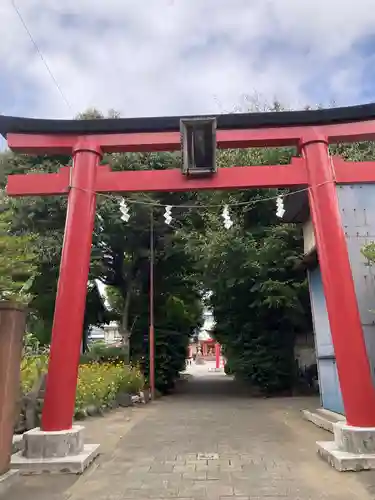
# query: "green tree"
{"type": "Point", "coordinates": [17, 260]}
{"type": "Point", "coordinates": [45, 218]}
{"type": "Point", "coordinates": [260, 302]}
{"type": "Point", "coordinates": [121, 261]}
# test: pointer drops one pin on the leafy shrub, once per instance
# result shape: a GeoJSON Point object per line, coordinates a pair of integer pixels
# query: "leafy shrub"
{"type": "Point", "coordinates": [98, 383]}
{"type": "Point", "coordinates": [228, 369]}
{"type": "Point", "coordinates": [101, 353]}
{"type": "Point", "coordinates": [31, 369]}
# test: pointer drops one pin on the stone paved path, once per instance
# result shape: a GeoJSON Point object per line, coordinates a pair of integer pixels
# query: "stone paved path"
{"type": "Point", "coordinates": [210, 441]}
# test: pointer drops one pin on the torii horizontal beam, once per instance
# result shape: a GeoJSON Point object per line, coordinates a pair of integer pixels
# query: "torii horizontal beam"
{"type": "Point", "coordinates": [267, 176]}
{"type": "Point", "coordinates": [37, 184]}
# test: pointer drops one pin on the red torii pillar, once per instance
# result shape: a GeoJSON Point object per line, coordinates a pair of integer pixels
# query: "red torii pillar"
{"type": "Point", "coordinates": [355, 380]}
{"type": "Point", "coordinates": [71, 290]}
{"type": "Point", "coordinates": [316, 169]}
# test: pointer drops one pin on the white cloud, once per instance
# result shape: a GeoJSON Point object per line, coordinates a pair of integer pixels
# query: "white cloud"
{"type": "Point", "coordinates": [163, 57]}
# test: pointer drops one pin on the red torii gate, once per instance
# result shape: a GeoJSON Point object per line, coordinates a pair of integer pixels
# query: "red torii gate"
{"type": "Point", "coordinates": [86, 141]}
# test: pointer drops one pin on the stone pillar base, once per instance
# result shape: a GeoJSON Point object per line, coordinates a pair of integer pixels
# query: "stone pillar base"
{"type": "Point", "coordinates": [353, 448]}
{"type": "Point", "coordinates": [7, 480]}
{"type": "Point", "coordinates": [54, 452]}
{"type": "Point", "coordinates": [323, 418]}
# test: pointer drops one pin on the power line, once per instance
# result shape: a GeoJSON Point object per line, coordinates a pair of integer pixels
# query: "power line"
{"type": "Point", "coordinates": [41, 55]}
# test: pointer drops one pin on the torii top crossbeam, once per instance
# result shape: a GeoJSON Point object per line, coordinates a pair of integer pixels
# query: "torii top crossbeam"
{"type": "Point", "coordinates": [237, 130]}
{"type": "Point", "coordinates": [233, 121]}
{"type": "Point", "coordinates": [40, 136]}
{"type": "Point", "coordinates": [87, 140]}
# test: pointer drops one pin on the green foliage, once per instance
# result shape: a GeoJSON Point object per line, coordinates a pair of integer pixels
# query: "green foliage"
{"type": "Point", "coordinates": [32, 346]}
{"type": "Point", "coordinates": [98, 383]}
{"type": "Point", "coordinates": [44, 218]}
{"type": "Point", "coordinates": [102, 353]}
{"type": "Point", "coordinates": [17, 261]}
{"type": "Point", "coordinates": [260, 302]}
{"type": "Point", "coordinates": [369, 252]}
{"type": "Point", "coordinates": [228, 369]}
{"type": "Point", "coordinates": [259, 298]}
{"type": "Point", "coordinates": [120, 260]}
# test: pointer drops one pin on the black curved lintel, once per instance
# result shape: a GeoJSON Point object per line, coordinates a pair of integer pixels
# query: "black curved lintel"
{"type": "Point", "coordinates": [12, 124]}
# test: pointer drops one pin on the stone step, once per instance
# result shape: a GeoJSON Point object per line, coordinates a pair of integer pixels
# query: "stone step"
{"type": "Point", "coordinates": [342, 460]}
{"type": "Point", "coordinates": [323, 418]}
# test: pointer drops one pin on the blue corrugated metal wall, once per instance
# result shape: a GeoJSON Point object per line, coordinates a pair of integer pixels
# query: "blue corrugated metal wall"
{"type": "Point", "coordinates": [357, 207]}
{"type": "Point", "coordinates": [329, 386]}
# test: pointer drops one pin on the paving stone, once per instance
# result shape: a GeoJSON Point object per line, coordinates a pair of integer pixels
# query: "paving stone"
{"type": "Point", "coordinates": [219, 475]}
{"type": "Point", "coordinates": [236, 498]}
{"type": "Point", "coordinates": [195, 475]}
{"type": "Point", "coordinates": [184, 468]}
{"type": "Point", "coordinates": [211, 442]}
{"type": "Point", "coordinates": [162, 467]}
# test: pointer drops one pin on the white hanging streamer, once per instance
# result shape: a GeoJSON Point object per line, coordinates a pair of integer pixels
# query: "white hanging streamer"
{"type": "Point", "coordinates": [168, 214]}
{"type": "Point", "coordinates": [124, 209]}
{"type": "Point", "coordinates": [228, 223]}
{"type": "Point", "coordinates": [280, 210]}
{"type": "Point", "coordinates": [100, 219]}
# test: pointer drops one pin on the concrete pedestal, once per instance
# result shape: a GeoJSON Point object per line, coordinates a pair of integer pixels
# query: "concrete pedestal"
{"type": "Point", "coordinates": [323, 418]}
{"type": "Point", "coordinates": [353, 448]}
{"type": "Point", "coordinates": [60, 452]}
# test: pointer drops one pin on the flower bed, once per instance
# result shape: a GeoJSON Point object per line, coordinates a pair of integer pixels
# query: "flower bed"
{"type": "Point", "coordinates": [99, 386]}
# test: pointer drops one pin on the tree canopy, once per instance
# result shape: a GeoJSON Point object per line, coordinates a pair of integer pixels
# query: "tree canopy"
{"type": "Point", "coordinates": [258, 296]}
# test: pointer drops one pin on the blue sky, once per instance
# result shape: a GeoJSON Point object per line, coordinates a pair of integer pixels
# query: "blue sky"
{"type": "Point", "coordinates": [173, 57]}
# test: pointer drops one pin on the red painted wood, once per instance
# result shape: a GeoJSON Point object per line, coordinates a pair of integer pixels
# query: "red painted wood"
{"type": "Point", "coordinates": [163, 180]}
{"type": "Point", "coordinates": [351, 172]}
{"type": "Point", "coordinates": [59, 400]}
{"type": "Point", "coordinates": [170, 141]}
{"type": "Point", "coordinates": [172, 180]}
{"type": "Point", "coordinates": [36, 144]}
{"type": "Point", "coordinates": [351, 357]}
{"type": "Point", "coordinates": [39, 184]}
{"type": "Point", "coordinates": [226, 178]}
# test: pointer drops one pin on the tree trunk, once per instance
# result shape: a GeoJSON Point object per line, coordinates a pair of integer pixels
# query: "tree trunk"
{"type": "Point", "coordinates": [85, 338]}
{"type": "Point", "coordinates": [124, 326]}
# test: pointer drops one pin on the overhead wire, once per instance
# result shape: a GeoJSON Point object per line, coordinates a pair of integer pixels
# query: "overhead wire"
{"type": "Point", "coordinates": [199, 205]}
{"type": "Point", "coordinates": [140, 202]}
{"type": "Point", "coordinates": [37, 48]}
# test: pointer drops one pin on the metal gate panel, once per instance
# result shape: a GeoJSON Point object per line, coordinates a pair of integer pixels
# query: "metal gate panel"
{"type": "Point", "coordinates": [330, 392]}
{"type": "Point", "coordinates": [329, 386]}
{"type": "Point", "coordinates": [357, 207]}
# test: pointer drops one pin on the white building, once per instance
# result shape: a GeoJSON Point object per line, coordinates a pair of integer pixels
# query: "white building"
{"type": "Point", "coordinates": [208, 324]}
{"type": "Point", "coordinates": [107, 333]}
